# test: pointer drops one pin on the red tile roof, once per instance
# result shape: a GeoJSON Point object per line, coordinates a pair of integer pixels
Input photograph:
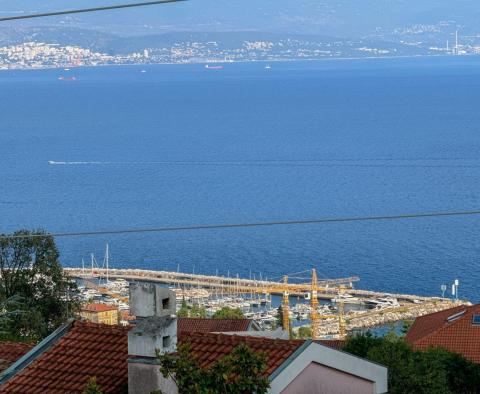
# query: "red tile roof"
{"type": "Point", "coordinates": [11, 352]}
{"type": "Point", "coordinates": [208, 348]}
{"type": "Point", "coordinates": [336, 344]}
{"type": "Point", "coordinates": [457, 335]}
{"type": "Point", "coordinates": [86, 350]}
{"type": "Point", "coordinates": [99, 308]}
{"type": "Point", "coordinates": [99, 350]}
{"type": "Point", "coordinates": [189, 325]}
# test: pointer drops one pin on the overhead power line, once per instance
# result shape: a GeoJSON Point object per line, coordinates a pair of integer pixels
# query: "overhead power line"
{"type": "Point", "coordinates": [84, 10]}
{"type": "Point", "coordinates": [249, 225]}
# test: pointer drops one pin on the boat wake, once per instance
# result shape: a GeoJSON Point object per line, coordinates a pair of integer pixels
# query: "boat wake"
{"type": "Point", "coordinates": [329, 163]}
{"type": "Point", "coordinates": [66, 163]}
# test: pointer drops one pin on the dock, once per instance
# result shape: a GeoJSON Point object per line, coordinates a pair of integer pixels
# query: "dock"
{"type": "Point", "coordinates": [333, 325]}
{"type": "Point", "coordinates": [328, 287]}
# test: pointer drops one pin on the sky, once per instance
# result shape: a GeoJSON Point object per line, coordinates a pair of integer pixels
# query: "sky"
{"type": "Point", "coordinates": [341, 18]}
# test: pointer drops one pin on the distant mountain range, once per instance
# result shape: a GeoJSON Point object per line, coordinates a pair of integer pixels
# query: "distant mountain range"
{"type": "Point", "coordinates": [431, 21]}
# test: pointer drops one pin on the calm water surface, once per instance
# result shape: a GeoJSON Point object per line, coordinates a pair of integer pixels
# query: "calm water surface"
{"type": "Point", "coordinates": [181, 145]}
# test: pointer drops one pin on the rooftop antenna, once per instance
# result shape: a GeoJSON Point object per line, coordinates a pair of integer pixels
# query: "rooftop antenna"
{"type": "Point", "coordinates": [443, 288]}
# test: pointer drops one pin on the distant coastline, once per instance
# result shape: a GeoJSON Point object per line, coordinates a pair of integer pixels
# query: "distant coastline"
{"type": "Point", "coordinates": [286, 60]}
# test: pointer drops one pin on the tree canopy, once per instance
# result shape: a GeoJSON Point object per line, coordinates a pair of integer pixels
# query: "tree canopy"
{"type": "Point", "coordinates": [228, 313]}
{"type": "Point", "coordinates": [35, 293]}
{"type": "Point", "coordinates": [241, 372]}
{"type": "Point", "coordinates": [191, 311]}
{"type": "Point", "coordinates": [435, 371]}
{"type": "Point", "coordinates": [304, 332]}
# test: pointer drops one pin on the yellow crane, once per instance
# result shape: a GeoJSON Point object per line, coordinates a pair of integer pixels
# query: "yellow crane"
{"type": "Point", "coordinates": [342, 328]}
{"type": "Point", "coordinates": [312, 289]}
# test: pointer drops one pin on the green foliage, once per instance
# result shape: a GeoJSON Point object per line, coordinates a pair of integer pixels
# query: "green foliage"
{"type": "Point", "coordinates": [360, 345]}
{"type": "Point", "coordinates": [304, 332]}
{"type": "Point", "coordinates": [92, 387]}
{"type": "Point", "coordinates": [228, 313]}
{"type": "Point", "coordinates": [35, 294]}
{"type": "Point", "coordinates": [434, 371]}
{"type": "Point", "coordinates": [241, 372]}
{"type": "Point", "coordinates": [184, 309]}
{"type": "Point", "coordinates": [406, 324]}
{"type": "Point", "coordinates": [198, 311]}
{"type": "Point", "coordinates": [191, 311]}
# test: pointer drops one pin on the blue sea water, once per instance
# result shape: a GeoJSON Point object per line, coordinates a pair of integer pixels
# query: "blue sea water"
{"type": "Point", "coordinates": [181, 145]}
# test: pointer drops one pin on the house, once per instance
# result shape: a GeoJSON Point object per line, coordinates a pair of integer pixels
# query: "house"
{"type": "Point", "coordinates": [293, 366]}
{"type": "Point", "coordinates": [189, 325]}
{"type": "Point", "coordinates": [64, 361]}
{"type": "Point", "coordinates": [100, 313]}
{"type": "Point", "coordinates": [456, 329]}
{"type": "Point", "coordinates": [123, 358]}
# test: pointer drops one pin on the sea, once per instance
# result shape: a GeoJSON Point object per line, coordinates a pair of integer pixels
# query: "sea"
{"type": "Point", "coordinates": [126, 147]}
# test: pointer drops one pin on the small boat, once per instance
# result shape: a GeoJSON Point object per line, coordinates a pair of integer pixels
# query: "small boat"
{"type": "Point", "coordinates": [346, 299]}
{"type": "Point", "coordinates": [207, 66]}
{"type": "Point", "coordinates": [62, 78]}
{"type": "Point", "coordinates": [383, 302]}
{"type": "Point", "coordinates": [268, 67]}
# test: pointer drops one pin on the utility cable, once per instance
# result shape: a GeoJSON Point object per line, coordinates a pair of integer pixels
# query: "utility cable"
{"type": "Point", "coordinates": [84, 10]}
{"type": "Point", "coordinates": [247, 225]}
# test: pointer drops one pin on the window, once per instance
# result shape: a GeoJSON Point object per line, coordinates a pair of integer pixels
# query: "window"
{"type": "Point", "coordinates": [476, 320]}
{"type": "Point", "coordinates": [456, 316]}
{"type": "Point", "coordinates": [166, 303]}
{"type": "Point", "coordinates": [166, 341]}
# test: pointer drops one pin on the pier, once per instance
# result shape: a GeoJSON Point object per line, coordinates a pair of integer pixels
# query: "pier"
{"type": "Point", "coordinates": [395, 307]}
{"type": "Point", "coordinates": [328, 288]}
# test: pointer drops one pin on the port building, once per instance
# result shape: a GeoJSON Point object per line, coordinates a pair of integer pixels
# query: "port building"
{"type": "Point", "coordinates": [100, 313]}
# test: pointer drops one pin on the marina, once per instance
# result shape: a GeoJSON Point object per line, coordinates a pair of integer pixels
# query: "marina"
{"type": "Point", "coordinates": [332, 307]}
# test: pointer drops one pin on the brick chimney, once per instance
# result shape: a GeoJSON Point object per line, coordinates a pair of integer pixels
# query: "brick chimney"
{"type": "Point", "coordinates": [155, 329]}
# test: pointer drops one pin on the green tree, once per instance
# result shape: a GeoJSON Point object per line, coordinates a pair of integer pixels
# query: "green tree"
{"type": "Point", "coordinates": [228, 313]}
{"type": "Point", "coordinates": [406, 325]}
{"type": "Point", "coordinates": [240, 372]}
{"type": "Point", "coordinates": [409, 371]}
{"type": "Point", "coordinates": [92, 387]}
{"type": "Point", "coordinates": [280, 316]}
{"type": "Point", "coordinates": [184, 310]}
{"type": "Point", "coordinates": [37, 295]}
{"type": "Point", "coordinates": [304, 332]}
{"type": "Point", "coordinates": [198, 311]}
{"type": "Point", "coordinates": [462, 375]}
{"type": "Point", "coordinates": [361, 344]}
{"type": "Point", "coordinates": [191, 311]}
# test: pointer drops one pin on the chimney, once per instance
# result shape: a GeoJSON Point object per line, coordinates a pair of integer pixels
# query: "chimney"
{"type": "Point", "coordinates": [155, 329]}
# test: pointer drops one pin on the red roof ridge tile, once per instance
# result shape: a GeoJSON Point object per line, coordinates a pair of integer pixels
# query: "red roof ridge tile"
{"type": "Point", "coordinates": [98, 307]}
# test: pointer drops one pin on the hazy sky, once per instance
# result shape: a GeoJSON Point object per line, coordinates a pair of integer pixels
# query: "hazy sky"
{"type": "Point", "coordinates": [328, 17]}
